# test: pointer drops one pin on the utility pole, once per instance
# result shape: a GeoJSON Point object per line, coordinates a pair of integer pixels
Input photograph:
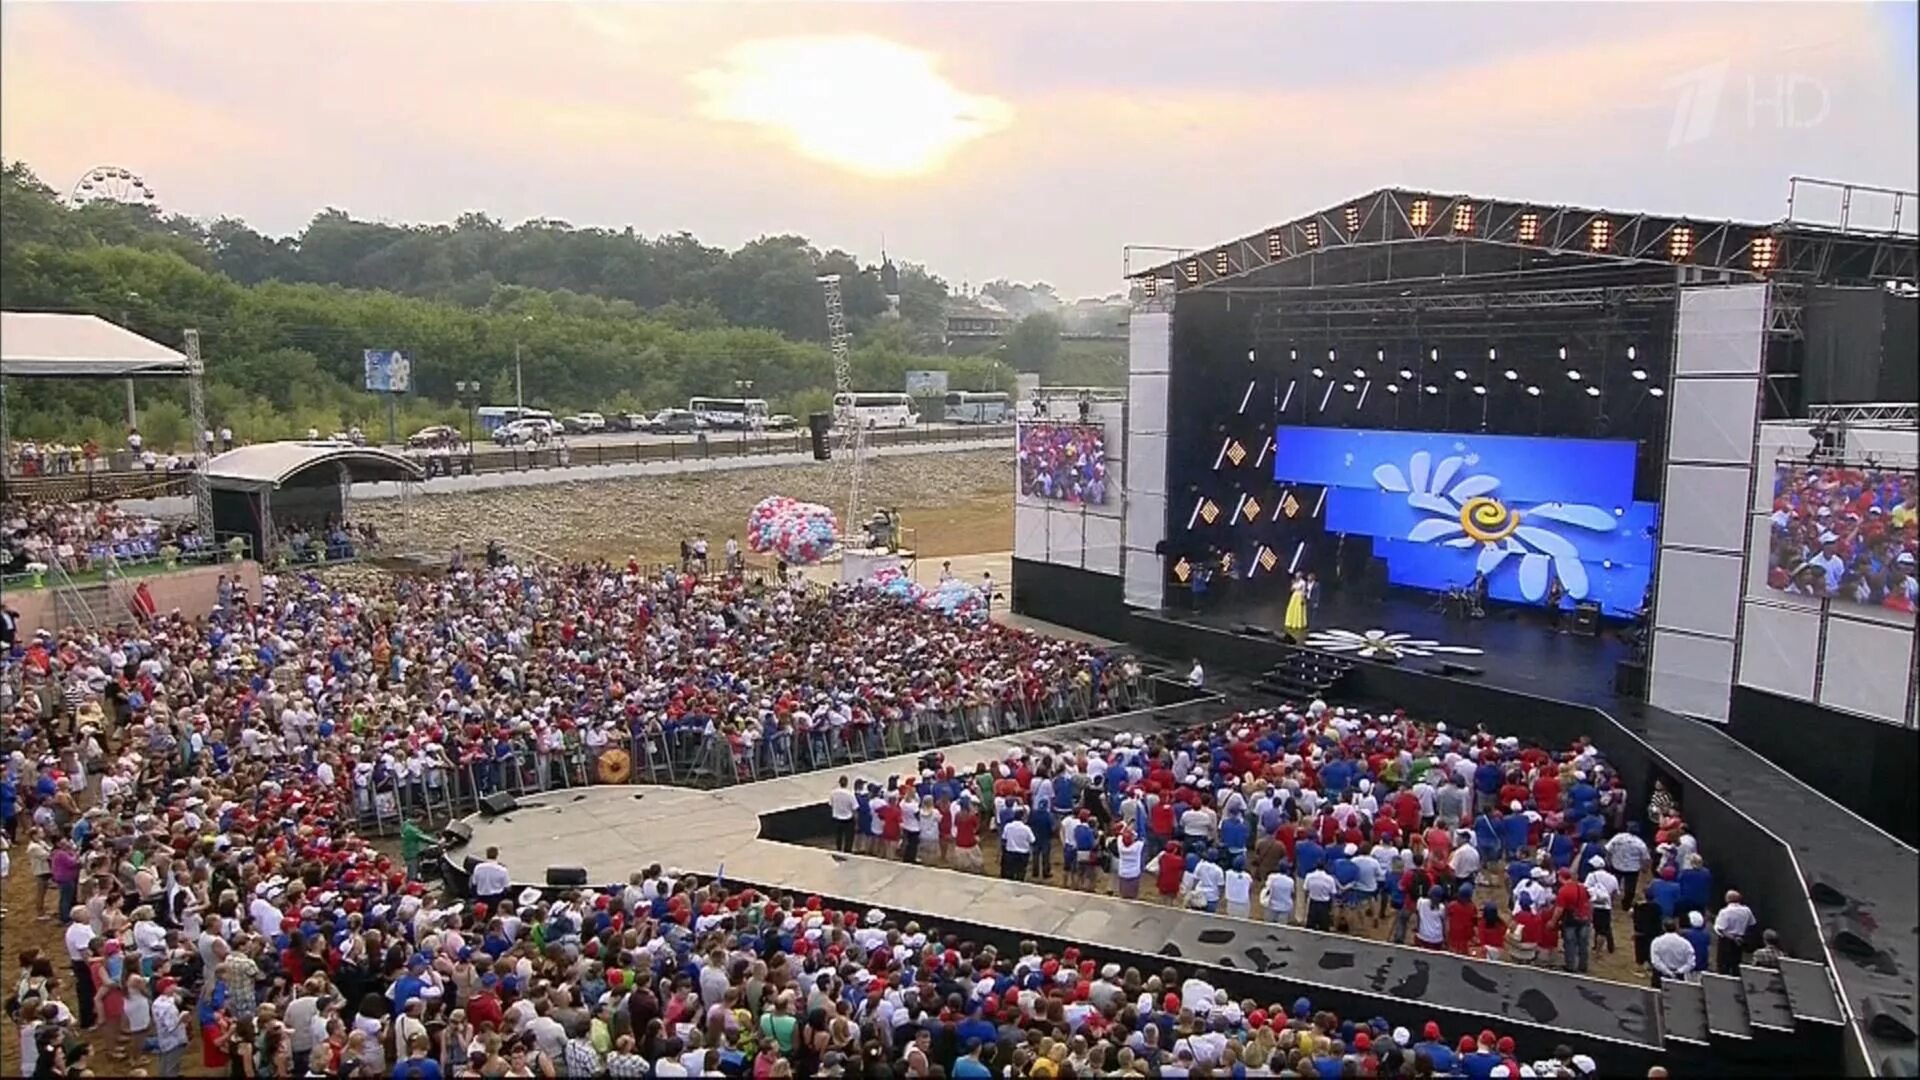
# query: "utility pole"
{"type": "Point", "coordinates": [519, 396]}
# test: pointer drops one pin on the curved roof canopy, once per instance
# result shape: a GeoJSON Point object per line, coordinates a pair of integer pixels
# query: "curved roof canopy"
{"type": "Point", "coordinates": [55, 346]}
{"type": "Point", "coordinates": [274, 464]}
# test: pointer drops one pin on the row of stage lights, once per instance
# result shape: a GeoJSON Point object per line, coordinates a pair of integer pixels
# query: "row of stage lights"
{"type": "Point", "coordinates": [1362, 379]}
{"type": "Point", "coordinates": [1762, 251]}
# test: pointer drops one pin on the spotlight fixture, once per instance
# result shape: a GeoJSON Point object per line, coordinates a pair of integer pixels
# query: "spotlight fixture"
{"type": "Point", "coordinates": [1639, 374]}
{"type": "Point", "coordinates": [1191, 268]}
{"type": "Point", "coordinates": [1511, 375]}
{"type": "Point", "coordinates": [1432, 389]}
{"type": "Point", "coordinates": [1380, 355]}
{"type": "Point", "coordinates": [1680, 243]}
{"type": "Point", "coordinates": [1249, 356]}
{"type": "Point", "coordinates": [1632, 352]}
{"type": "Point", "coordinates": [1333, 354]}
{"type": "Point", "coordinates": [1574, 374]}
{"type": "Point", "coordinates": [1149, 286]}
{"type": "Point", "coordinates": [1312, 230]}
{"type": "Point", "coordinates": [1593, 391]}
{"type": "Point", "coordinates": [1407, 374]}
{"type": "Point", "coordinates": [1765, 251]}
{"type": "Point", "coordinates": [1657, 391]}
{"type": "Point", "coordinates": [1463, 218]}
{"type": "Point", "coordinates": [1493, 354]}
{"type": "Point", "coordinates": [1293, 355]}
{"type": "Point", "coordinates": [1319, 373]}
{"type": "Point", "coordinates": [1600, 235]}
{"type": "Point", "coordinates": [1359, 373]}
{"type": "Point", "coordinates": [1563, 352]}
{"type": "Point", "coordinates": [1420, 214]}
{"type": "Point", "coordinates": [1220, 265]}
{"type": "Point", "coordinates": [1478, 389]}
{"type": "Point", "coordinates": [1529, 228]}
{"type": "Point", "coordinates": [1275, 249]}
{"type": "Point", "coordinates": [1460, 374]}
{"type": "Point", "coordinates": [1393, 388]}
{"type": "Point", "coordinates": [1533, 391]}
{"type": "Point", "coordinates": [1352, 218]}
{"type": "Point", "coordinates": [1434, 355]}
{"type": "Point", "coordinates": [1348, 387]}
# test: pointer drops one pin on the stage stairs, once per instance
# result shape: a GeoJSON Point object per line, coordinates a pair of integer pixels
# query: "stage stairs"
{"type": "Point", "coordinates": [1304, 674]}
{"type": "Point", "coordinates": [1762, 1015]}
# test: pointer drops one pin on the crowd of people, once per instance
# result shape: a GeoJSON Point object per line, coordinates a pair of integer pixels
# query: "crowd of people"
{"type": "Point", "coordinates": [55, 457]}
{"type": "Point", "coordinates": [1847, 533]}
{"type": "Point", "coordinates": [83, 536]}
{"type": "Point", "coordinates": [1064, 461]}
{"type": "Point", "coordinates": [1337, 820]}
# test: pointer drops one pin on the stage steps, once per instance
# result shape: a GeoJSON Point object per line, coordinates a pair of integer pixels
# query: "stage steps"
{"type": "Point", "coordinates": [1810, 993]}
{"type": "Point", "coordinates": [1762, 1015]}
{"type": "Point", "coordinates": [1304, 673]}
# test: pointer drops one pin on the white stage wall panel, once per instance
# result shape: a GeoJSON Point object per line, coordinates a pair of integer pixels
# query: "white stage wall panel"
{"type": "Point", "coordinates": [1699, 593]}
{"type": "Point", "coordinates": [1144, 518]}
{"type": "Point", "coordinates": [1712, 420]}
{"type": "Point", "coordinates": [1866, 667]}
{"type": "Point", "coordinates": [1691, 675]}
{"type": "Point", "coordinates": [1147, 461]}
{"type": "Point", "coordinates": [1066, 538]}
{"type": "Point", "coordinates": [1102, 544]}
{"type": "Point", "coordinates": [1721, 330]}
{"type": "Point", "coordinates": [1030, 533]}
{"type": "Point", "coordinates": [1780, 650]}
{"type": "Point", "coordinates": [1705, 506]}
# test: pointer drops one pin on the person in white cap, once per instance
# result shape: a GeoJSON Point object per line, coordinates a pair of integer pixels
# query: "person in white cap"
{"type": "Point", "coordinates": [1602, 886]}
{"type": "Point", "coordinates": [1829, 561]}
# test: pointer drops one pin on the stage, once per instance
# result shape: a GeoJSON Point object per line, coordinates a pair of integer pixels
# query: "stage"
{"type": "Point", "coordinates": [1519, 650]}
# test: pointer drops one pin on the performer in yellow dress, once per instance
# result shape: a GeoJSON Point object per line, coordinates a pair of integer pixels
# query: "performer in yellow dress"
{"type": "Point", "coordinates": [1296, 624]}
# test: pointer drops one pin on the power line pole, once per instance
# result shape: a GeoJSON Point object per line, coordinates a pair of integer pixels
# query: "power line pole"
{"type": "Point", "coordinates": [519, 396]}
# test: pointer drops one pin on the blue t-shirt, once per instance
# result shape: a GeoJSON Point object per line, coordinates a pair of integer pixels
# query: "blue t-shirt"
{"type": "Point", "coordinates": [417, 1069]}
{"type": "Point", "coordinates": [970, 1067]}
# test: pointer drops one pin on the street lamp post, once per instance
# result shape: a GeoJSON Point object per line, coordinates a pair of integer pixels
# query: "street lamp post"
{"type": "Point", "coordinates": [741, 388]}
{"type": "Point", "coordinates": [467, 392]}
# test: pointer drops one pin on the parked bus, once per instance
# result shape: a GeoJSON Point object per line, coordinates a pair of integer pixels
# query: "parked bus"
{"type": "Point", "coordinates": [877, 410]}
{"type": "Point", "coordinates": [494, 417]}
{"type": "Point", "coordinates": [735, 414]}
{"type": "Point", "coordinates": [968, 407]}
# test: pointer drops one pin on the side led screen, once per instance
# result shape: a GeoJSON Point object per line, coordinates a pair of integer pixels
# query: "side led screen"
{"type": "Point", "coordinates": [1844, 533]}
{"type": "Point", "coordinates": [1067, 462]}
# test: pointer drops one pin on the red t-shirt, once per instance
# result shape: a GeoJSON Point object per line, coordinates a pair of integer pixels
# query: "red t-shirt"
{"type": "Point", "coordinates": [890, 821]}
{"type": "Point", "coordinates": [1546, 793]}
{"type": "Point", "coordinates": [966, 830]}
{"type": "Point", "coordinates": [1575, 904]}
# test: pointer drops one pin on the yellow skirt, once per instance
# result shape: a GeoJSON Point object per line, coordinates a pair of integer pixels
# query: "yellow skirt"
{"type": "Point", "coordinates": [1297, 614]}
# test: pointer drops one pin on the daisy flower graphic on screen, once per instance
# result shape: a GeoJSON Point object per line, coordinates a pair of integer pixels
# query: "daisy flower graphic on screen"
{"type": "Point", "coordinates": [1466, 512]}
{"type": "Point", "coordinates": [1383, 644]}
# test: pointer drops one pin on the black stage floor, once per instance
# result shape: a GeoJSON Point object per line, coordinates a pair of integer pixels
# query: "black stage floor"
{"type": "Point", "coordinates": [1520, 651]}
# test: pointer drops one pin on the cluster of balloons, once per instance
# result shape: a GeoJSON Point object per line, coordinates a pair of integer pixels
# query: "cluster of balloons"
{"type": "Point", "coordinates": [953, 598]}
{"type": "Point", "coordinates": [800, 533]}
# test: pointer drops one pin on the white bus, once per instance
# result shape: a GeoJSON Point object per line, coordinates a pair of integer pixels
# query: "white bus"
{"type": "Point", "coordinates": [737, 414]}
{"type": "Point", "coordinates": [876, 410]}
{"type": "Point", "coordinates": [494, 417]}
{"type": "Point", "coordinates": [969, 407]}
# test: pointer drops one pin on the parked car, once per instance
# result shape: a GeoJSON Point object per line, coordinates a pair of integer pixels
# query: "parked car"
{"type": "Point", "coordinates": [434, 435]}
{"type": "Point", "coordinates": [627, 421]}
{"type": "Point", "coordinates": [533, 431]}
{"type": "Point", "coordinates": [675, 422]}
{"type": "Point", "coordinates": [584, 423]}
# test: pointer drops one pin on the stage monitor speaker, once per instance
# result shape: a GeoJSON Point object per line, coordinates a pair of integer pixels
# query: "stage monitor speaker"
{"type": "Point", "coordinates": [817, 425]}
{"type": "Point", "coordinates": [500, 802]}
{"type": "Point", "coordinates": [455, 834]}
{"type": "Point", "coordinates": [460, 885]}
{"type": "Point", "coordinates": [1853, 943]}
{"type": "Point", "coordinates": [1252, 630]}
{"type": "Point", "coordinates": [1586, 618]}
{"type": "Point", "coordinates": [1630, 679]}
{"type": "Point", "coordinates": [1888, 1018]}
{"type": "Point", "coordinates": [1826, 894]}
{"type": "Point", "coordinates": [1454, 667]}
{"type": "Point", "coordinates": [566, 875]}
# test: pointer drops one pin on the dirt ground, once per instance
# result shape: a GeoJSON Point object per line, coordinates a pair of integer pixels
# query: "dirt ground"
{"type": "Point", "coordinates": [1615, 967]}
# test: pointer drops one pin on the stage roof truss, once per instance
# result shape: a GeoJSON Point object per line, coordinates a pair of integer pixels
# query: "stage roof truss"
{"type": "Point", "coordinates": [1398, 216]}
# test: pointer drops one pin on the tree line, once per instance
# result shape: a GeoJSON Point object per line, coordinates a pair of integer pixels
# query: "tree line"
{"type": "Point", "coordinates": [600, 319]}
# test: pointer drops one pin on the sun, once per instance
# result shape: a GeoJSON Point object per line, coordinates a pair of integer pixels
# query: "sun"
{"type": "Point", "coordinates": [865, 104]}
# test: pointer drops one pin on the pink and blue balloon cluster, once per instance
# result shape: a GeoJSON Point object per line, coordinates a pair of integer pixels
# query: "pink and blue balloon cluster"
{"type": "Point", "coordinates": [800, 533]}
{"type": "Point", "coordinates": [953, 598]}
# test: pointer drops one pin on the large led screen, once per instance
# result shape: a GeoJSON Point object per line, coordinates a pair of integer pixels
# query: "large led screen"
{"type": "Point", "coordinates": [1441, 506]}
{"type": "Point", "coordinates": [1067, 462]}
{"type": "Point", "coordinates": [1845, 533]}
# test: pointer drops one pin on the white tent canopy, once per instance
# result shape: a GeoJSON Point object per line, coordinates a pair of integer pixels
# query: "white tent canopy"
{"type": "Point", "coordinates": [53, 346]}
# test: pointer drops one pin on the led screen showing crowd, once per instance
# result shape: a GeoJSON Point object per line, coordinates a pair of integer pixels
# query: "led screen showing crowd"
{"type": "Point", "coordinates": [1064, 461]}
{"type": "Point", "coordinates": [1846, 533]}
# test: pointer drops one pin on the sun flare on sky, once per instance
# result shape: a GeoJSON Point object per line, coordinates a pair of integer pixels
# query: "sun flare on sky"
{"type": "Point", "coordinates": [865, 104]}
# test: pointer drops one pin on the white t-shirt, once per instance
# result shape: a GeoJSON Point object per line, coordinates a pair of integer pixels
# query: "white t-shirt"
{"type": "Point", "coordinates": [1017, 837]}
{"type": "Point", "coordinates": [490, 879]}
{"type": "Point", "coordinates": [1279, 893]}
{"type": "Point", "coordinates": [79, 937]}
{"type": "Point", "coordinates": [1128, 865]}
{"type": "Point", "coordinates": [1433, 920]}
{"type": "Point", "coordinates": [842, 803]}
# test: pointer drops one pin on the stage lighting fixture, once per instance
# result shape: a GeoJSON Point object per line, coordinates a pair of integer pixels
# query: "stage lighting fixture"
{"type": "Point", "coordinates": [1393, 388]}
{"type": "Point", "coordinates": [1348, 387]}
{"type": "Point", "coordinates": [1352, 215]}
{"type": "Point", "coordinates": [1765, 250]}
{"type": "Point", "coordinates": [1460, 373]}
{"type": "Point", "coordinates": [1236, 453]}
{"type": "Point", "coordinates": [1606, 564]}
{"type": "Point", "coordinates": [1420, 214]}
{"type": "Point", "coordinates": [1680, 243]}
{"type": "Point", "coordinates": [1533, 391]}
{"type": "Point", "coordinates": [1632, 352]}
{"type": "Point", "coordinates": [1191, 268]}
{"type": "Point", "coordinates": [1434, 355]}
{"type": "Point", "coordinates": [1407, 374]}
{"type": "Point", "coordinates": [1593, 391]}
{"type": "Point", "coordinates": [1220, 261]}
{"type": "Point", "coordinates": [1274, 248]}
{"type": "Point", "coordinates": [1359, 373]}
{"type": "Point", "coordinates": [1511, 374]}
{"type": "Point", "coordinates": [1249, 356]}
{"type": "Point", "coordinates": [1463, 218]}
{"type": "Point", "coordinates": [1312, 231]}
{"type": "Point", "coordinates": [1600, 235]}
{"type": "Point", "coordinates": [1574, 374]}
{"type": "Point", "coordinates": [1209, 511]}
{"type": "Point", "coordinates": [1529, 228]}
{"type": "Point", "coordinates": [1293, 355]}
{"type": "Point", "coordinates": [1432, 389]}
{"type": "Point", "coordinates": [1380, 356]}
{"type": "Point", "coordinates": [1319, 373]}
{"type": "Point", "coordinates": [1639, 374]}
{"type": "Point", "coordinates": [1480, 390]}
{"type": "Point", "coordinates": [1251, 511]}
{"type": "Point", "coordinates": [1493, 354]}
{"type": "Point", "coordinates": [1182, 570]}
{"type": "Point", "coordinates": [1149, 286]}
{"type": "Point", "coordinates": [1333, 354]}
{"type": "Point", "coordinates": [1657, 391]}
{"type": "Point", "coordinates": [1563, 352]}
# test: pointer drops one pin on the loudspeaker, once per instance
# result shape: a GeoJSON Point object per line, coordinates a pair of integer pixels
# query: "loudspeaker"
{"type": "Point", "coordinates": [1630, 679]}
{"type": "Point", "coordinates": [500, 802]}
{"type": "Point", "coordinates": [1853, 943]}
{"type": "Point", "coordinates": [1252, 630]}
{"type": "Point", "coordinates": [1887, 1018]}
{"type": "Point", "coordinates": [1586, 618]}
{"type": "Point", "coordinates": [566, 875]}
{"type": "Point", "coordinates": [1826, 894]}
{"type": "Point", "coordinates": [817, 425]}
{"type": "Point", "coordinates": [455, 834]}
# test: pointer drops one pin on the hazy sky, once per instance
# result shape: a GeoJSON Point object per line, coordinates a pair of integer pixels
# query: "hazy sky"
{"type": "Point", "coordinates": [1024, 140]}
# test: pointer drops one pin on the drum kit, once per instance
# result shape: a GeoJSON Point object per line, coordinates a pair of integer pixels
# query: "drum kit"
{"type": "Point", "coordinates": [1459, 602]}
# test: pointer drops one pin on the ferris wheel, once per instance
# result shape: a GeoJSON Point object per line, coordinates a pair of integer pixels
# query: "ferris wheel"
{"type": "Point", "coordinates": [111, 183]}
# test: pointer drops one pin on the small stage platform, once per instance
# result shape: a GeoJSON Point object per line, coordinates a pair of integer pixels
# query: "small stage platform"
{"type": "Point", "coordinates": [614, 831]}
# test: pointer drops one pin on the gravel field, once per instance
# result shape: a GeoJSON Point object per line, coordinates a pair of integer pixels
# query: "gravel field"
{"type": "Point", "coordinates": [954, 503]}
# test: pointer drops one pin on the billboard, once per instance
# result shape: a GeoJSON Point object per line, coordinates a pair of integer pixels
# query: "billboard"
{"type": "Point", "coordinates": [1067, 462]}
{"type": "Point", "coordinates": [926, 383]}
{"type": "Point", "coordinates": [389, 371]}
{"type": "Point", "coordinates": [1443, 506]}
{"type": "Point", "coordinates": [1845, 533]}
